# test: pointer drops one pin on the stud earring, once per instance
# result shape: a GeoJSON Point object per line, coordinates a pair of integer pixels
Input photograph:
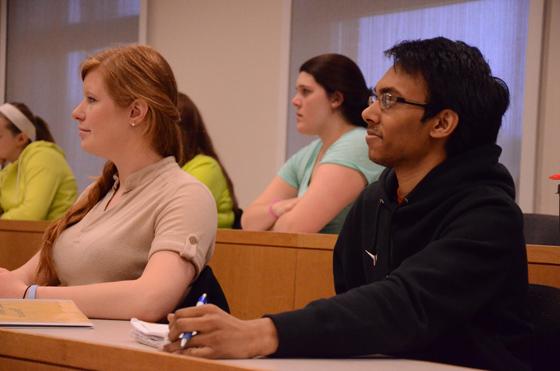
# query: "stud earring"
{"type": "Point", "coordinates": [132, 123]}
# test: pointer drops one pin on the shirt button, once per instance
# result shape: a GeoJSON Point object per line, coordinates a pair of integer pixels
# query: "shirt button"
{"type": "Point", "coordinates": [193, 240]}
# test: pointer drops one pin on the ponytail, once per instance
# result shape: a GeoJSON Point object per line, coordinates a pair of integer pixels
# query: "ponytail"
{"type": "Point", "coordinates": [43, 132]}
{"type": "Point", "coordinates": [41, 127]}
{"type": "Point", "coordinates": [46, 273]}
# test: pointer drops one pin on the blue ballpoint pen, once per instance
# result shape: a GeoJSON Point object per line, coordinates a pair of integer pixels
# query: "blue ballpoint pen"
{"type": "Point", "coordinates": [186, 336]}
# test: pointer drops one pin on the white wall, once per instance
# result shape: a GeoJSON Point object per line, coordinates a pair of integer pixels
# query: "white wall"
{"type": "Point", "coordinates": [548, 145]}
{"type": "Point", "coordinates": [3, 28]}
{"type": "Point", "coordinates": [231, 58]}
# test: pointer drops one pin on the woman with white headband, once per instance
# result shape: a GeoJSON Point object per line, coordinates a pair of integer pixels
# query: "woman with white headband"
{"type": "Point", "coordinates": [36, 182]}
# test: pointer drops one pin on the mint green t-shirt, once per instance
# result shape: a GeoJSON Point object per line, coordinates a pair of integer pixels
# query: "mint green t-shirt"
{"type": "Point", "coordinates": [209, 172]}
{"type": "Point", "coordinates": [350, 150]}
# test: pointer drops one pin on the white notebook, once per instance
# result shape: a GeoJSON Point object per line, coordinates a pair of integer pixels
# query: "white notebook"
{"type": "Point", "coordinates": [147, 333]}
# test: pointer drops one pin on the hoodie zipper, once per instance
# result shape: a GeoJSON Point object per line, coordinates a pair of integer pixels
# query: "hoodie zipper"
{"type": "Point", "coordinates": [380, 204]}
{"type": "Point", "coordinates": [391, 241]}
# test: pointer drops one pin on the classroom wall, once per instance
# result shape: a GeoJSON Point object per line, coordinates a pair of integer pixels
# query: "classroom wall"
{"type": "Point", "coordinates": [3, 30]}
{"type": "Point", "coordinates": [548, 141]}
{"type": "Point", "coordinates": [245, 46]}
{"type": "Point", "coordinates": [231, 57]}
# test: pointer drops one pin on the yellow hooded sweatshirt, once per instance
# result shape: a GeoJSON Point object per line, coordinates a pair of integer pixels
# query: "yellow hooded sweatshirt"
{"type": "Point", "coordinates": [39, 185]}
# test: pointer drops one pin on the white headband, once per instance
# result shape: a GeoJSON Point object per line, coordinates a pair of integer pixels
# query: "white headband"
{"type": "Point", "coordinates": [21, 121]}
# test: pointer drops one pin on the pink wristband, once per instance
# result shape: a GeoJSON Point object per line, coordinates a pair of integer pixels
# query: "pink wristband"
{"type": "Point", "coordinates": [271, 212]}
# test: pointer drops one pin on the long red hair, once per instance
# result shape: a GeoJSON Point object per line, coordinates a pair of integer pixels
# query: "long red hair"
{"type": "Point", "coordinates": [129, 73]}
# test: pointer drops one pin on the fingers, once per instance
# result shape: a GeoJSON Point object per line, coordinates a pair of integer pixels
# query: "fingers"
{"type": "Point", "coordinates": [197, 311]}
{"type": "Point", "coordinates": [198, 346]}
{"type": "Point", "coordinates": [187, 325]}
{"type": "Point", "coordinates": [203, 352]}
{"type": "Point", "coordinates": [203, 319]}
{"type": "Point", "coordinates": [219, 335]}
{"type": "Point", "coordinates": [172, 347]}
{"type": "Point", "coordinates": [170, 317]}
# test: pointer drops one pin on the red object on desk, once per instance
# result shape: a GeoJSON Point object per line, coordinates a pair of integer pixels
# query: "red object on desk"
{"type": "Point", "coordinates": [557, 177]}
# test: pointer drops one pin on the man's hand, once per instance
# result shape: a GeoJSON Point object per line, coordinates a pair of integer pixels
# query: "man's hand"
{"type": "Point", "coordinates": [220, 335]}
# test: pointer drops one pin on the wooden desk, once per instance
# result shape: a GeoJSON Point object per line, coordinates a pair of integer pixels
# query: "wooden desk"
{"type": "Point", "coordinates": [264, 272]}
{"type": "Point", "coordinates": [105, 347]}
{"type": "Point", "coordinates": [544, 264]}
{"type": "Point", "coordinates": [108, 347]}
{"type": "Point", "coordinates": [19, 241]}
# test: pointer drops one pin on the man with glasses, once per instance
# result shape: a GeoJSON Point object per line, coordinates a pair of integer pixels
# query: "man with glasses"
{"type": "Point", "coordinates": [431, 261]}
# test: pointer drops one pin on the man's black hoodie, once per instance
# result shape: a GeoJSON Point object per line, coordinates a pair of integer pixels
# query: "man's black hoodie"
{"type": "Point", "coordinates": [441, 276]}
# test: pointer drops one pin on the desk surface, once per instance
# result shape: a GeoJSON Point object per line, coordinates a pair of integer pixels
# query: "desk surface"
{"type": "Point", "coordinates": [114, 335]}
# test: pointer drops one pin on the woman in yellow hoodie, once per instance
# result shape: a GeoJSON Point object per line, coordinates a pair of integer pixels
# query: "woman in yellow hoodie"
{"type": "Point", "coordinates": [36, 182]}
{"type": "Point", "coordinates": [202, 161]}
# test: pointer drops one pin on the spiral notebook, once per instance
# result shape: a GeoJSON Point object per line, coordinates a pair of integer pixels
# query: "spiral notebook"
{"type": "Point", "coordinates": [41, 312]}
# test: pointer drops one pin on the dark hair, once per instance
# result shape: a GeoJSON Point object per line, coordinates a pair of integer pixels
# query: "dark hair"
{"type": "Point", "coordinates": [338, 73]}
{"type": "Point", "coordinates": [195, 138]}
{"type": "Point", "coordinates": [457, 78]}
{"type": "Point", "coordinates": [41, 127]}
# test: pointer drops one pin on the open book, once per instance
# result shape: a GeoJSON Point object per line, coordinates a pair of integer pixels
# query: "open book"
{"type": "Point", "coordinates": [41, 312]}
{"type": "Point", "coordinates": [147, 333]}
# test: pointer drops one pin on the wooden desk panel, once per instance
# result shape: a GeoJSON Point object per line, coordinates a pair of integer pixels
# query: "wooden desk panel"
{"type": "Point", "coordinates": [544, 264]}
{"type": "Point", "coordinates": [255, 279]}
{"type": "Point", "coordinates": [314, 276]}
{"type": "Point", "coordinates": [267, 272]}
{"type": "Point", "coordinates": [19, 241]}
{"type": "Point", "coordinates": [294, 240]}
{"type": "Point", "coordinates": [26, 350]}
{"type": "Point", "coordinates": [264, 272]}
{"type": "Point", "coordinates": [12, 364]}
{"type": "Point", "coordinates": [108, 346]}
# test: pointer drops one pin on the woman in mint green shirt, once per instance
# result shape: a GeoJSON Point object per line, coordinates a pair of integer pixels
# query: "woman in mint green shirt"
{"type": "Point", "coordinates": [202, 162]}
{"type": "Point", "coordinates": [314, 190]}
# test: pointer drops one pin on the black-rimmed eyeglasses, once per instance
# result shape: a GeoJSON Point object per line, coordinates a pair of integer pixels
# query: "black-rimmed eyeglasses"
{"type": "Point", "coordinates": [388, 100]}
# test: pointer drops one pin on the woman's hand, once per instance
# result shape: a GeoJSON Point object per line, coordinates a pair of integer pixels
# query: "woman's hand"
{"type": "Point", "coordinates": [260, 214]}
{"type": "Point", "coordinates": [220, 335]}
{"type": "Point", "coordinates": [10, 285]}
{"type": "Point", "coordinates": [283, 206]}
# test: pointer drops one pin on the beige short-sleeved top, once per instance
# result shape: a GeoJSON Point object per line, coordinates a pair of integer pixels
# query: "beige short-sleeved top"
{"type": "Point", "coordinates": [162, 208]}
